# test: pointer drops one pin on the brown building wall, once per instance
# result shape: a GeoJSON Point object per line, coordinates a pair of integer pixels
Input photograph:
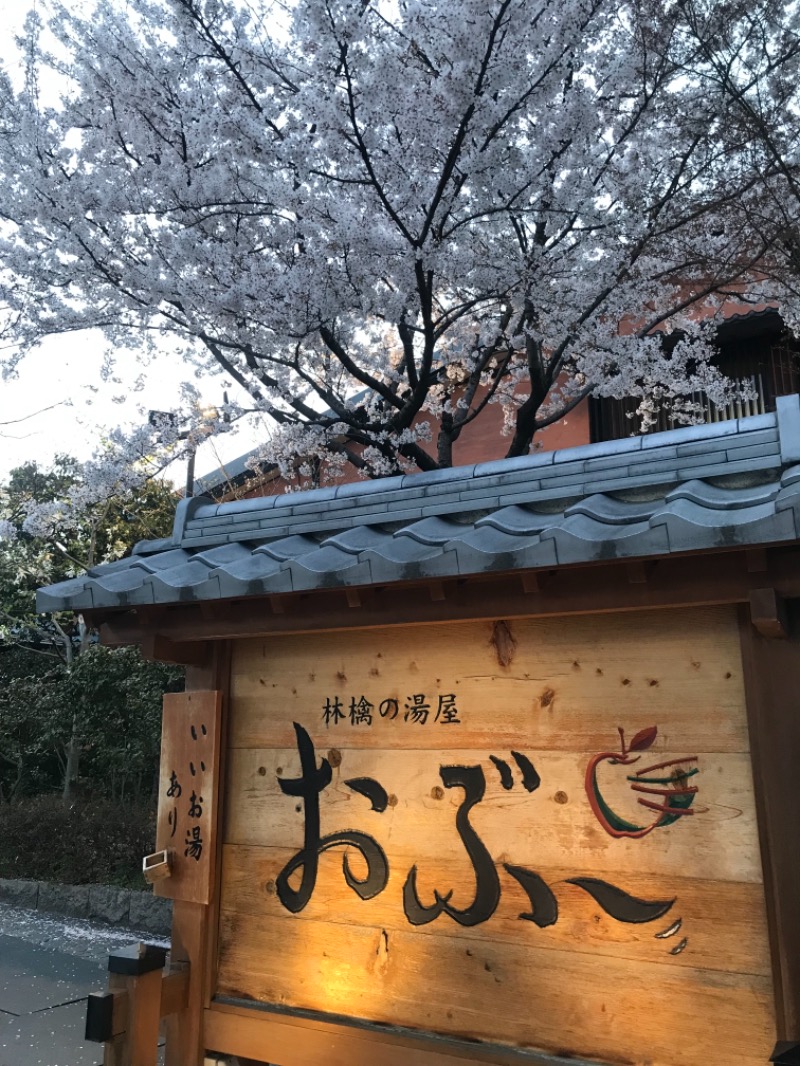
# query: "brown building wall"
{"type": "Point", "coordinates": [482, 441]}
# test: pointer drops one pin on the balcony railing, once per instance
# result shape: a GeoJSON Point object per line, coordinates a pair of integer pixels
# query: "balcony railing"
{"type": "Point", "coordinates": [766, 368]}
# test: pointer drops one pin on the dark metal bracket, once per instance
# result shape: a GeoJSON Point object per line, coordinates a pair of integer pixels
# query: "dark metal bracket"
{"type": "Point", "coordinates": [786, 1053]}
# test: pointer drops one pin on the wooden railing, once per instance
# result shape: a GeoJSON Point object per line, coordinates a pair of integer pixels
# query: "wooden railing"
{"type": "Point", "coordinates": [126, 1017]}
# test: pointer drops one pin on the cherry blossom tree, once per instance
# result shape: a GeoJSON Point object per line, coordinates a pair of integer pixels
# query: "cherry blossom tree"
{"type": "Point", "coordinates": [749, 68]}
{"type": "Point", "coordinates": [376, 217]}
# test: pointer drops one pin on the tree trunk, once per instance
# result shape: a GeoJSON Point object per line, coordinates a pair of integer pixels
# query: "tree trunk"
{"type": "Point", "coordinates": [73, 746]}
{"type": "Point", "coordinates": [525, 426]}
{"type": "Point", "coordinates": [73, 761]}
{"type": "Point", "coordinates": [444, 443]}
{"type": "Point", "coordinates": [540, 383]}
{"type": "Point", "coordinates": [16, 788]}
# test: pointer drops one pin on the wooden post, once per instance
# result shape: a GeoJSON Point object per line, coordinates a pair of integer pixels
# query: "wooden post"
{"type": "Point", "coordinates": [192, 920]}
{"type": "Point", "coordinates": [772, 678]}
{"type": "Point", "coordinates": [768, 613]}
{"type": "Point", "coordinates": [126, 1018]}
{"type": "Point", "coordinates": [185, 1042]}
{"type": "Point", "coordinates": [135, 990]}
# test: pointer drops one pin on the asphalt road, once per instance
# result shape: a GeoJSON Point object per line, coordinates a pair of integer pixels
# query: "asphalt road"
{"type": "Point", "coordinates": [47, 968]}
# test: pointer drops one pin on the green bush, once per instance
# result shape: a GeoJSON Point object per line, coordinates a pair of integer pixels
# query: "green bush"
{"type": "Point", "coordinates": [85, 842]}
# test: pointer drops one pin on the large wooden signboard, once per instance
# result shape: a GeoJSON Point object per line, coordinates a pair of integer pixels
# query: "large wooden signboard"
{"type": "Point", "coordinates": [539, 834]}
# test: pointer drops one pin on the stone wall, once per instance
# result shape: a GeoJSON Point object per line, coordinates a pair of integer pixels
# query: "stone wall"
{"type": "Point", "coordinates": [140, 911]}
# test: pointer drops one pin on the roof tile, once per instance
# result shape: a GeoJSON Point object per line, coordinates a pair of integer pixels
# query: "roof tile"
{"type": "Point", "coordinates": [693, 489]}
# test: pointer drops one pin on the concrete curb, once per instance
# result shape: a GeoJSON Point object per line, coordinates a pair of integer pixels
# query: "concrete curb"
{"type": "Point", "coordinates": [98, 903]}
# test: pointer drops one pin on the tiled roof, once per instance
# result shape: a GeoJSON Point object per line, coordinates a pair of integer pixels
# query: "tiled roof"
{"type": "Point", "coordinates": [700, 488]}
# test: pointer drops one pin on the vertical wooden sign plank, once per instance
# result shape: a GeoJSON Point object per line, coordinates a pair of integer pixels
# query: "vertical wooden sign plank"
{"type": "Point", "coordinates": [188, 793]}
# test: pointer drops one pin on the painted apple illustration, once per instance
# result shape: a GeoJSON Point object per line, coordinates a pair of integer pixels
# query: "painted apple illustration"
{"type": "Point", "coordinates": [663, 788]}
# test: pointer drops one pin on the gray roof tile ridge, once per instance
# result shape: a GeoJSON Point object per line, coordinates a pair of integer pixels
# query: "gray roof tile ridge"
{"type": "Point", "coordinates": [186, 510]}
{"type": "Point", "coordinates": [588, 504]}
{"type": "Point", "coordinates": [567, 472]}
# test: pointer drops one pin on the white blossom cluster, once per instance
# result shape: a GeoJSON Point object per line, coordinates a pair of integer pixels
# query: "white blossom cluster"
{"type": "Point", "coordinates": [380, 219]}
{"type": "Point", "coordinates": [123, 462]}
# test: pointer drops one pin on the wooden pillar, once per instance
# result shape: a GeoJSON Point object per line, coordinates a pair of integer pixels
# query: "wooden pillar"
{"type": "Point", "coordinates": [139, 973]}
{"type": "Point", "coordinates": [770, 637]}
{"type": "Point", "coordinates": [192, 922]}
{"type": "Point", "coordinates": [190, 944]}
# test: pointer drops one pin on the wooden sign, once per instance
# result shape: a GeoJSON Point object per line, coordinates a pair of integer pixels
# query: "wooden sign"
{"type": "Point", "coordinates": [541, 836]}
{"type": "Point", "coordinates": [187, 794]}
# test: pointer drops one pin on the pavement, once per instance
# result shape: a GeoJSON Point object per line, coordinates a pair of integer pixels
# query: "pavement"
{"type": "Point", "coordinates": [48, 966]}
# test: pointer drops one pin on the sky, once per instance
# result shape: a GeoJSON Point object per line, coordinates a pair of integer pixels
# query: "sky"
{"type": "Point", "coordinates": [58, 403]}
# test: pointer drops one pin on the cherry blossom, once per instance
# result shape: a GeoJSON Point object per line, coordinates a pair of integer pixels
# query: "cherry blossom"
{"type": "Point", "coordinates": [377, 218]}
